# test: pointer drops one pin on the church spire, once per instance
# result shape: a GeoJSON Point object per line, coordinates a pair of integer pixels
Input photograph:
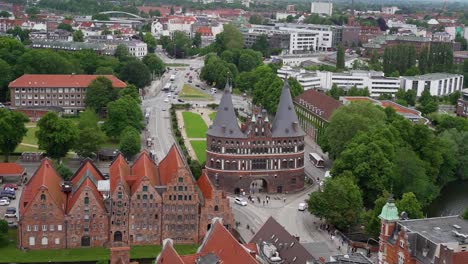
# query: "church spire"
{"type": "Point", "coordinates": [286, 123]}
{"type": "Point", "coordinates": [225, 123]}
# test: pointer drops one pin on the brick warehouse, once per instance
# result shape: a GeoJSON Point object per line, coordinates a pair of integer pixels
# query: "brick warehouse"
{"type": "Point", "coordinates": [142, 203]}
{"type": "Point", "coordinates": [260, 155]}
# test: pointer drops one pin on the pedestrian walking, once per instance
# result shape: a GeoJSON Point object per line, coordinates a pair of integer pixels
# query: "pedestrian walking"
{"type": "Point", "coordinates": [267, 202]}
{"type": "Point", "coordinates": [263, 202]}
{"type": "Point", "coordinates": [284, 199]}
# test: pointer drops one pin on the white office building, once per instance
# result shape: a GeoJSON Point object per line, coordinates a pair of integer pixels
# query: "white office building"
{"type": "Point", "coordinates": [439, 84]}
{"type": "Point", "coordinates": [138, 49]}
{"type": "Point", "coordinates": [375, 81]}
{"type": "Point", "coordinates": [322, 8]}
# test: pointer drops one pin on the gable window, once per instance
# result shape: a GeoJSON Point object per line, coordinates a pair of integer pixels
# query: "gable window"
{"type": "Point", "coordinates": [86, 200]}
{"type": "Point", "coordinates": [216, 208]}
{"type": "Point", "coordinates": [119, 195]}
{"type": "Point", "coordinates": [43, 197]}
{"type": "Point", "coordinates": [181, 179]}
{"type": "Point", "coordinates": [145, 188]}
{"type": "Point", "coordinates": [145, 197]}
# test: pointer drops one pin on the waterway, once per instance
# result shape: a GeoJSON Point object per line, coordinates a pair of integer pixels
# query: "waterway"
{"type": "Point", "coordinates": [453, 200]}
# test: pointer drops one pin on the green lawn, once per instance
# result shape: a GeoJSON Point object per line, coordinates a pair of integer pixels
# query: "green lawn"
{"type": "Point", "coordinates": [199, 146]}
{"type": "Point", "coordinates": [212, 116]}
{"type": "Point", "coordinates": [195, 126]}
{"type": "Point", "coordinates": [12, 254]}
{"type": "Point", "coordinates": [30, 137]}
{"type": "Point", "coordinates": [188, 93]}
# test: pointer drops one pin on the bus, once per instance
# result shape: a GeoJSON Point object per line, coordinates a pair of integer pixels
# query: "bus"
{"type": "Point", "coordinates": [167, 87]}
{"type": "Point", "coordinates": [316, 160]}
{"type": "Point", "coordinates": [172, 77]}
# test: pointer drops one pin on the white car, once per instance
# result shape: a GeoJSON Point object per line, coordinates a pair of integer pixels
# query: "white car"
{"type": "Point", "coordinates": [240, 201]}
{"type": "Point", "coordinates": [9, 189]}
{"type": "Point", "coordinates": [169, 95]}
{"type": "Point", "coordinates": [4, 202]}
{"type": "Point", "coordinates": [166, 100]}
{"type": "Point", "coordinates": [302, 207]}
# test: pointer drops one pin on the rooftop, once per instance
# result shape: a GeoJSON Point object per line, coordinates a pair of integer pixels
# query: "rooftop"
{"type": "Point", "coordinates": [61, 81]}
{"type": "Point", "coordinates": [431, 76]}
{"type": "Point", "coordinates": [439, 229]}
{"type": "Point", "coordinates": [313, 99]}
{"type": "Point", "coordinates": [355, 258]}
{"type": "Point", "coordinates": [11, 169]}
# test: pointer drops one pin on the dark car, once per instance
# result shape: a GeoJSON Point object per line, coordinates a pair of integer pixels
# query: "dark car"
{"type": "Point", "coordinates": [197, 85]}
{"type": "Point", "coordinates": [8, 195]}
{"type": "Point", "coordinates": [180, 100]}
{"type": "Point", "coordinates": [10, 212]}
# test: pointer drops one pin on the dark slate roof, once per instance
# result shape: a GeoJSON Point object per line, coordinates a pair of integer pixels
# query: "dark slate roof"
{"type": "Point", "coordinates": [286, 123]}
{"type": "Point", "coordinates": [288, 247]}
{"type": "Point", "coordinates": [225, 123]}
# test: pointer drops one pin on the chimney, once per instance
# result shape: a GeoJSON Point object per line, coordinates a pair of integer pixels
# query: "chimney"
{"type": "Point", "coordinates": [295, 126]}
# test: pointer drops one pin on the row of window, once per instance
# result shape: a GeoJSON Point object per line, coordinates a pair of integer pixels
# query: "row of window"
{"type": "Point", "coordinates": [44, 228]}
{"type": "Point", "coordinates": [179, 217]}
{"type": "Point", "coordinates": [49, 103]}
{"type": "Point", "coordinates": [144, 226]}
{"type": "Point", "coordinates": [257, 164]}
{"type": "Point", "coordinates": [44, 241]}
{"type": "Point", "coordinates": [180, 228]}
{"type": "Point", "coordinates": [180, 197]}
{"type": "Point", "coordinates": [50, 90]}
{"type": "Point", "coordinates": [48, 96]}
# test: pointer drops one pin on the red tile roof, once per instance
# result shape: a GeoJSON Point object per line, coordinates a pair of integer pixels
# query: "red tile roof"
{"type": "Point", "coordinates": [118, 170]}
{"type": "Point", "coordinates": [11, 169]}
{"type": "Point", "coordinates": [44, 177]}
{"type": "Point", "coordinates": [144, 166]}
{"type": "Point", "coordinates": [205, 185]}
{"type": "Point", "coordinates": [223, 244]}
{"type": "Point", "coordinates": [319, 100]}
{"type": "Point", "coordinates": [399, 108]}
{"type": "Point", "coordinates": [61, 80]}
{"type": "Point", "coordinates": [168, 255]}
{"type": "Point", "coordinates": [205, 31]}
{"type": "Point", "coordinates": [169, 166]}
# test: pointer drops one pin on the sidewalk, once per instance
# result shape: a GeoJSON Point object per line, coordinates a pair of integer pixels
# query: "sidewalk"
{"type": "Point", "coordinates": [181, 124]}
{"type": "Point", "coordinates": [276, 201]}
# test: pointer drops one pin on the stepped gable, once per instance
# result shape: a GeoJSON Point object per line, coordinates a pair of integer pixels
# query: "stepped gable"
{"type": "Point", "coordinates": [286, 123]}
{"type": "Point", "coordinates": [144, 166]}
{"type": "Point", "coordinates": [225, 123]}
{"type": "Point", "coordinates": [87, 169]}
{"type": "Point", "coordinates": [170, 165]}
{"type": "Point", "coordinates": [205, 186]}
{"type": "Point", "coordinates": [220, 242]}
{"type": "Point", "coordinates": [118, 171]}
{"type": "Point", "coordinates": [168, 254]}
{"type": "Point", "coordinates": [45, 177]}
{"type": "Point", "coordinates": [86, 185]}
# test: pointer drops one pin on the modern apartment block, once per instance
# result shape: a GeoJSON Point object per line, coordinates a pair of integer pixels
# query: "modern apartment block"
{"type": "Point", "coordinates": [63, 92]}
{"type": "Point", "coordinates": [322, 8]}
{"type": "Point", "coordinates": [140, 204]}
{"type": "Point", "coordinates": [438, 83]}
{"type": "Point", "coordinates": [375, 81]}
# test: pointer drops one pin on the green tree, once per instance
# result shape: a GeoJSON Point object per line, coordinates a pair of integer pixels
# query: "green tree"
{"type": "Point", "coordinates": [121, 52]}
{"type": "Point", "coordinates": [56, 135]}
{"type": "Point", "coordinates": [373, 221]}
{"type": "Point", "coordinates": [409, 204]}
{"type": "Point", "coordinates": [465, 214]}
{"type": "Point", "coordinates": [231, 38]}
{"type": "Point", "coordinates": [132, 91]}
{"type": "Point", "coordinates": [12, 131]}
{"type": "Point", "coordinates": [150, 42]}
{"type": "Point", "coordinates": [104, 71]}
{"type": "Point", "coordinates": [122, 113]}
{"type": "Point", "coordinates": [197, 40]}
{"type": "Point", "coordinates": [64, 171]}
{"type": "Point", "coordinates": [428, 103]}
{"type": "Point", "coordinates": [90, 135]}
{"type": "Point", "coordinates": [256, 19]}
{"type": "Point", "coordinates": [289, 19]}
{"type": "Point", "coordinates": [43, 62]}
{"type": "Point", "coordinates": [130, 142]}
{"type": "Point", "coordinates": [101, 17]}
{"type": "Point", "coordinates": [66, 27]}
{"type": "Point", "coordinates": [137, 73]}
{"type": "Point", "coordinates": [340, 58]}
{"type": "Point", "coordinates": [195, 168]}
{"type": "Point", "coordinates": [3, 226]}
{"type": "Point", "coordinates": [78, 36]}
{"type": "Point", "coordinates": [22, 34]}
{"type": "Point", "coordinates": [4, 13]}
{"type": "Point", "coordinates": [262, 45]}
{"type": "Point", "coordinates": [410, 97]}
{"type": "Point", "coordinates": [5, 79]}
{"type": "Point", "coordinates": [154, 64]}
{"type": "Point", "coordinates": [99, 93]}
{"type": "Point", "coordinates": [172, 10]}
{"type": "Point", "coordinates": [336, 92]}
{"type": "Point", "coordinates": [346, 122]}
{"type": "Point", "coordinates": [331, 205]}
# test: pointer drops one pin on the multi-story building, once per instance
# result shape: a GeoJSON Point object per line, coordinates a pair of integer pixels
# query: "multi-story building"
{"type": "Point", "coordinates": [322, 8]}
{"type": "Point", "coordinates": [421, 241]}
{"type": "Point", "coordinates": [374, 81]}
{"type": "Point", "coordinates": [438, 83]}
{"type": "Point", "coordinates": [380, 42]}
{"type": "Point", "coordinates": [314, 110]}
{"type": "Point", "coordinates": [462, 104]}
{"type": "Point", "coordinates": [138, 49]}
{"type": "Point", "coordinates": [261, 155]}
{"type": "Point", "coordinates": [144, 203]}
{"type": "Point", "coordinates": [459, 57]}
{"type": "Point", "coordinates": [65, 92]}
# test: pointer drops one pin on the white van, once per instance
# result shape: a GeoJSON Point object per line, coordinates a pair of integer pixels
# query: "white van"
{"type": "Point", "coordinates": [214, 90]}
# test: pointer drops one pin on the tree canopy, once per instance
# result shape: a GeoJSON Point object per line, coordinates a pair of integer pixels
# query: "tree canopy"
{"type": "Point", "coordinates": [99, 93]}
{"type": "Point", "coordinates": [130, 142]}
{"type": "Point", "coordinates": [13, 129]}
{"type": "Point", "coordinates": [137, 73]}
{"type": "Point", "coordinates": [122, 113]}
{"type": "Point", "coordinates": [90, 136]}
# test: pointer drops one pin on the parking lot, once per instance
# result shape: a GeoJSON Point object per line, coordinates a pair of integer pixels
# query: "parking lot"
{"type": "Point", "coordinates": [13, 203]}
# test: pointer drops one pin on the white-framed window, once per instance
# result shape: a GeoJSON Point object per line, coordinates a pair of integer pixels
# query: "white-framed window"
{"type": "Point", "coordinates": [28, 228]}
{"type": "Point", "coordinates": [57, 241]}
{"type": "Point", "coordinates": [51, 228]}
{"type": "Point", "coordinates": [32, 241]}
{"type": "Point", "coordinates": [59, 227]}
{"type": "Point", "coordinates": [401, 258]}
{"type": "Point", "coordinates": [402, 243]}
{"type": "Point", "coordinates": [36, 228]}
{"type": "Point", "coordinates": [44, 227]}
{"type": "Point", "coordinates": [44, 241]}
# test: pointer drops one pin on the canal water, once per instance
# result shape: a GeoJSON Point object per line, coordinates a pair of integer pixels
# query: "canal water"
{"type": "Point", "coordinates": [453, 200]}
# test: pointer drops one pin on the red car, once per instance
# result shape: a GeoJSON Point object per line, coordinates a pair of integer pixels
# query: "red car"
{"type": "Point", "coordinates": [10, 185]}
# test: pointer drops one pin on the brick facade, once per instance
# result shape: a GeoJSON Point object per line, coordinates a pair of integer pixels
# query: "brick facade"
{"type": "Point", "coordinates": [259, 156]}
{"type": "Point", "coordinates": [139, 205]}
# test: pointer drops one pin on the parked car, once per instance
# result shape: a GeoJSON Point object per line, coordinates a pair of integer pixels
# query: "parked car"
{"type": "Point", "coordinates": [4, 201]}
{"type": "Point", "coordinates": [9, 189]}
{"type": "Point", "coordinates": [11, 185]}
{"type": "Point", "coordinates": [10, 212]}
{"type": "Point", "coordinates": [240, 201]}
{"type": "Point", "coordinates": [197, 85]}
{"type": "Point", "coordinates": [7, 195]}
{"type": "Point", "coordinates": [180, 100]}
{"type": "Point", "coordinates": [190, 80]}
{"type": "Point", "coordinates": [12, 224]}
{"type": "Point", "coordinates": [166, 100]}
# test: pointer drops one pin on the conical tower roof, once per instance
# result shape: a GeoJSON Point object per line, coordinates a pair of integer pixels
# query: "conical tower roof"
{"type": "Point", "coordinates": [225, 123]}
{"type": "Point", "coordinates": [286, 123]}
